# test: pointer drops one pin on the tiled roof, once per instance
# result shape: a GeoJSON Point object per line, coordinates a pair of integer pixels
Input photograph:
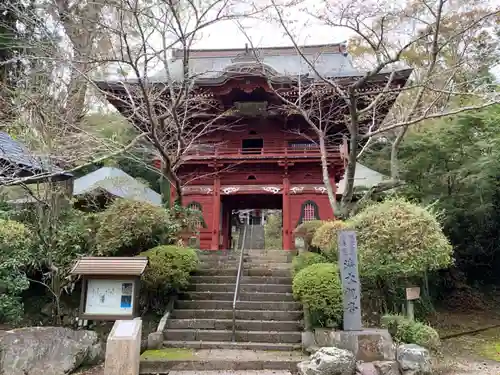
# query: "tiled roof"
{"type": "Point", "coordinates": [117, 183]}
{"type": "Point", "coordinates": [17, 160]}
{"type": "Point", "coordinates": [112, 266]}
{"type": "Point", "coordinates": [363, 177]}
{"type": "Point", "coordinates": [329, 60]}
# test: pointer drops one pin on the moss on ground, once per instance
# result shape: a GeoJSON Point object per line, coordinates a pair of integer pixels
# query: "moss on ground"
{"type": "Point", "coordinates": [168, 354]}
{"type": "Point", "coordinates": [491, 350]}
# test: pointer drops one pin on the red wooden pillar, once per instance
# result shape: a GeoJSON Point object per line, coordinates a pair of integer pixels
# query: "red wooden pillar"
{"type": "Point", "coordinates": [287, 225]}
{"type": "Point", "coordinates": [216, 215]}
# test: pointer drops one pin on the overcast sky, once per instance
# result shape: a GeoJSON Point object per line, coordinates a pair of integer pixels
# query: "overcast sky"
{"type": "Point", "coordinates": [268, 34]}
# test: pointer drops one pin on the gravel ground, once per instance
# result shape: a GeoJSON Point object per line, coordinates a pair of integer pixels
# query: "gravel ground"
{"type": "Point", "coordinates": [465, 366]}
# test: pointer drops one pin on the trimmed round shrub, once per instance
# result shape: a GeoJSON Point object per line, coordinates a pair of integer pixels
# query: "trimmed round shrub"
{"type": "Point", "coordinates": [169, 267]}
{"type": "Point", "coordinates": [305, 259]}
{"type": "Point", "coordinates": [306, 231]}
{"type": "Point", "coordinates": [128, 227]}
{"type": "Point", "coordinates": [15, 241]}
{"type": "Point", "coordinates": [325, 238]}
{"type": "Point", "coordinates": [318, 288]}
{"type": "Point", "coordinates": [15, 255]}
{"type": "Point", "coordinates": [407, 331]}
{"type": "Point", "coordinates": [398, 238]}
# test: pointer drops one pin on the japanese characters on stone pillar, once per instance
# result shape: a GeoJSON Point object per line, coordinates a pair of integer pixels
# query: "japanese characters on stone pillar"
{"type": "Point", "coordinates": [351, 289]}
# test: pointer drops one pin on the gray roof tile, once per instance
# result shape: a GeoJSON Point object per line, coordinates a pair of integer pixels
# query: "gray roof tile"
{"type": "Point", "coordinates": [328, 61]}
{"type": "Point", "coordinates": [19, 160]}
{"type": "Point", "coordinates": [117, 183]}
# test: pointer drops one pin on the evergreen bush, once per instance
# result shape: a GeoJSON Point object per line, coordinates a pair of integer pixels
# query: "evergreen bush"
{"type": "Point", "coordinates": [319, 289]}
{"type": "Point", "coordinates": [325, 238]}
{"type": "Point", "coordinates": [128, 227]}
{"type": "Point", "coordinates": [169, 267]}
{"type": "Point", "coordinates": [15, 256]}
{"type": "Point", "coordinates": [305, 259]}
{"type": "Point", "coordinates": [399, 239]}
{"type": "Point", "coordinates": [408, 331]}
{"type": "Point", "coordinates": [306, 231]}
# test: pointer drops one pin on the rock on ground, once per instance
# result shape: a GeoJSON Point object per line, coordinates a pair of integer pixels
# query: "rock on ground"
{"type": "Point", "coordinates": [329, 361]}
{"type": "Point", "coordinates": [387, 367]}
{"type": "Point", "coordinates": [378, 368]}
{"type": "Point", "coordinates": [47, 350]}
{"type": "Point", "coordinates": [414, 360]}
{"type": "Point", "coordinates": [366, 368]}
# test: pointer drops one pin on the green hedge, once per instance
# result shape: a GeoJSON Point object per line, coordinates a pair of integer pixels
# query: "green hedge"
{"type": "Point", "coordinates": [305, 259]}
{"type": "Point", "coordinates": [408, 331]}
{"type": "Point", "coordinates": [169, 267]}
{"type": "Point", "coordinates": [325, 238]}
{"type": "Point", "coordinates": [306, 231]}
{"type": "Point", "coordinates": [15, 256]}
{"type": "Point", "coordinates": [127, 228]}
{"type": "Point", "coordinates": [318, 288]}
{"type": "Point", "coordinates": [399, 238]}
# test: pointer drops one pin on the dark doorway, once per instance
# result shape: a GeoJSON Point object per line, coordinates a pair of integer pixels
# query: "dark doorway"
{"type": "Point", "coordinates": [262, 212]}
{"type": "Point", "coordinates": [252, 146]}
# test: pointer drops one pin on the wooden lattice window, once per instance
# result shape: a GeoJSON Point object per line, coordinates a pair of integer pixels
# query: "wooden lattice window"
{"type": "Point", "coordinates": [308, 212]}
{"type": "Point", "coordinates": [198, 209]}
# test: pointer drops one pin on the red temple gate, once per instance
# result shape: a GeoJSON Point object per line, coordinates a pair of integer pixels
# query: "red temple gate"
{"type": "Point", "coordinates": [270, 159]}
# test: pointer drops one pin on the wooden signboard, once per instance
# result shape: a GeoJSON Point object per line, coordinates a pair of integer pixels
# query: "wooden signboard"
{"type": "Point", "coordinates": [110, 287]}
{"type": "Point", "coordinates": [412, 293]}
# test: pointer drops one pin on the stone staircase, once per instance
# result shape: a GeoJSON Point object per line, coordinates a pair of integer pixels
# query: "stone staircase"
{"type": "Point", "coordinates": [255, 238]}
{"type": "Point", "coordinates": [268, 320]}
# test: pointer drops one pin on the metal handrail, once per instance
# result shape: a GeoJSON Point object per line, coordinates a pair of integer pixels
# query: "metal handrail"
{"type": "Point", "coordinates": [238, 277]}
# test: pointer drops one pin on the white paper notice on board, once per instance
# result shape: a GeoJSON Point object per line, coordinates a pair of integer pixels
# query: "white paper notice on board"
{"type": "Point", "coordinates": [109, 297]}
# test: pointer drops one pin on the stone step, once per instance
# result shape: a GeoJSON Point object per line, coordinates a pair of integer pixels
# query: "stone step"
{"type": "Point", "coordinates": [216, 367]}
{"type": "Point", "coordinates": [242, 296]}
{"type": "Point", "coordinates": [269, 253]}
{"type": "Point", "coordinates": [212, 361]}
{"type": "Point", "coordinates": [241, 325]}
{"type": "Point", "coordinates": [226, 335]}
{"type": "Point", "coordinates": [232, 345]}
{"type": "Point", "coordinates": [239, 314]}
{"type": "Point", "coordinates": [242, 305]}
{"type": "Point", "coordinates": [244, 280]}
{"type": "Point", "coordinates": [259, 371]}
{"type": "Point", "coordinates": [258, 271]}
{"type": "Point", "coordinates": [270, 266]}
{"type": "Point", "coordinates": [213, 279]}
{"type": "Point", "coordinates": [246, 265]}
{"type": "Point", "coordinates": [248, 271]}
{"type": "Point", "coordinates": [270, 288]}
{"type": "Point", "coordinates": [219, 266]}
{"type": "Point", "coordinates": [247, 262]}
{"type": "Point", "coordinates": [214, 271]}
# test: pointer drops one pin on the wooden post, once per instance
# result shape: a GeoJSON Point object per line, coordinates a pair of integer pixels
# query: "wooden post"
{"type": "Point", "coordinates": [216, 215]}
{"type": "Point", "coordinates": [412, 294]}
{"type": "Point", "coordinates": [410, 310]}
{"type": "Point", "coordinates": [287, 230]}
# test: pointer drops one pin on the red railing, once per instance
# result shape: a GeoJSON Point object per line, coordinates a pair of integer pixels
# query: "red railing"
{"type": "Point", "coordinates": [276, 152]}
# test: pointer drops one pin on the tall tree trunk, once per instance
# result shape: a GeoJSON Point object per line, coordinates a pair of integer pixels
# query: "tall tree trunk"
{"type": "Point", "coordinates": [352, 156]}
{"type": "Point", "coordinates": [326, 176]}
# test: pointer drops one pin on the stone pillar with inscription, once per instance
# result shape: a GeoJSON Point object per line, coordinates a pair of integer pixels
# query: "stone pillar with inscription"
{"type": "Point", "coordinates": [123, 348]}
{"type": "Point", "coordinates": [367, 344]}
{"type": "Point", "coordinates": [351, 288]}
